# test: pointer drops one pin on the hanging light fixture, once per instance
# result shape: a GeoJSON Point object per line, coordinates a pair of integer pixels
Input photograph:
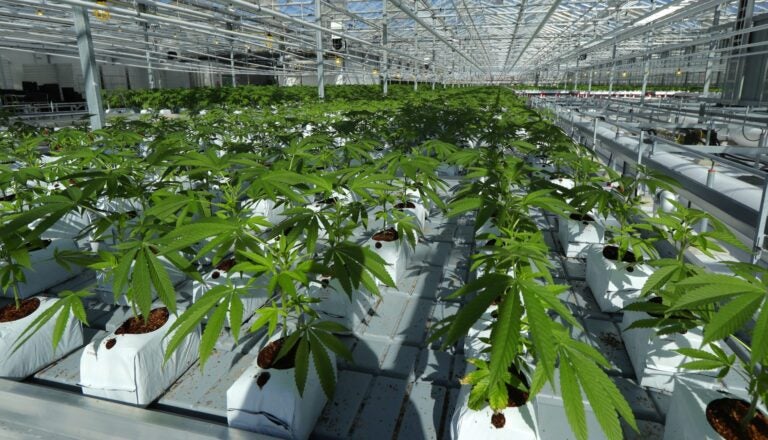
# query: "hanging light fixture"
{"type": "Point", "coordinates": [375, 72]}
{"type": "Point", "coordinates": [102, 14]}
{"type": "Point", "coordinates": [679, 72]}
{"type": "Point", "coordinates": [270, 39]}
{"type": "Point", "coordinates": [624, 74]}
{"type": "Point", "coordinates": [39, 12]}
{"type": "Point", "coordinates": [339, 61]}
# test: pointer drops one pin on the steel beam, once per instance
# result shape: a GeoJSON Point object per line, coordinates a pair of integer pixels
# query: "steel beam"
{"type": "Point", "coordinates": [385, 52]}
{"type": "Point", "coordinates": [91, 77]}
{"type": "Point", "coordinates": [711, 54]}
{"type": "Point", "coordinates": [319, 54]}
{"type": "Point", "coordinates": [544, 20]}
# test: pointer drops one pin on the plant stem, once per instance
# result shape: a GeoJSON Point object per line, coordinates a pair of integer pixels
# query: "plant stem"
{"type": "Point", "coordinates": [745, 421]}
{"type": "Point", "coordinates": [16, 295]}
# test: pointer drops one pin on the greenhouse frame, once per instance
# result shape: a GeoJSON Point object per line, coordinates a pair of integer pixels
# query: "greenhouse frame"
{"type": "Point", "coordinates": [384, 219]}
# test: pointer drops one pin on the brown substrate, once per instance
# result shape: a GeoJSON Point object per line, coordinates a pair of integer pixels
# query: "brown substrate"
{"type": "Point", "coordinates": [223, 266]}
{"type": "Point", "coordinates": [402, 206]}
{"type": "Point", "coordinates": [724, 415]}
{"type": "Point", "coordinates": [386, 235]}
{"type": "Point", "coordinates": [11, 313]}
{"type": "Point", "coordinates": [517, 397]}
{"type": "Point", "coordinates": [268, 355]}
{"type": "Point", "coordinates": [581, 217]}
{"type": "Point", "coordinates": [612, 253]}
{"type": "Point", "coordinates": [226, 265]}
{"type": "Point", "coordinates": [137, 325]}
{"type": "Point", "coordinates": [262, 379]}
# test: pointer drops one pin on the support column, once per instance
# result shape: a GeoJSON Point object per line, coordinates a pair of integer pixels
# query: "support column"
{"type": "Point", "coordinates": [319, 42]}
{"type": "Point", "coordinates": [589, 86]}
{"type": "Point", "coordinates": [613, 71]}
{"type": "Point", "coordinates": [384, 54]}
{"type": "Point", "coordinates": [92, 86]}
{"type": "Point", "coordinates": [576, 77]}
{"type": "Point", "coordinates": [416, 46]}
{"type": "Point", "coordinates": [232, 64]}
{"type": "Point", "coordinates": [147, 48]}
{"type": "Point", "coordinates": [711, 54]}
{"type": "Point", "coordinates": [646, 66]}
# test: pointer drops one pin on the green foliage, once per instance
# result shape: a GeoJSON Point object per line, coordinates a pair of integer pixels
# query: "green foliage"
{"type": "Point", "coordinates": [530, 325]}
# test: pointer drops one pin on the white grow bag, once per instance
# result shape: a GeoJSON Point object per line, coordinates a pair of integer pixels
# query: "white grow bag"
{"type": "Point", "coordinates": [36, 352]}
{"type": "Point", "coordinates": [70, 226]}
{"type": "Point", "coordinates": [686, 418]}
{"type": "Point", "coordinates": [45, 272]}
{"type": "Point", "coordinates": [132, 371]}
{"type": "Point", "coordinates": [447, 170]}
{"type": "Point", "coordinates": [563, 182]}
{"type": "Point", "coordinates": [119, 204]}
{"type": "Point", "coordinates": [551, 411]}
{"type": "Point", "coordinates": [467, 424]}
{"type": "Point", "coordinates": [256, 297]}
{"type": "Point", "coordinates": [419, 214]}
{"type": "Point", "coordinates": [395, 255]}
{"type": "Point", "coordinates": [336, 305]}
{"type": "Point", "coordinates": [104, 281]}
{"type": "Point", "coordinates": [415, 197]}
{"type": "Point", "coordinates": [276, 408]}
{"type": "Point", "coordinates": [614, 284]}
{"type": "Point", "coordinates": [654, 358]}
{"type": "Point", "coordinates": [575, 235]}
{"type": "Point", "coordinates": [266, 208]}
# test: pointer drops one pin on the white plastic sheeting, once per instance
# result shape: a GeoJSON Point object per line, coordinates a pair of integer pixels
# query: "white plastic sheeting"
{"type": "Point", "coordinates": [46, 272]}
{"type": "Point", "coordinates": [686, 419]}
{"type": "Point", "coordinates": [614, 284]}
{"type": "Point", "coordinates": [275, 408]}
{"type": "Point", "coordinates": [132, 371]}
{"type": "Point", "coordinates": [256, 293]}
{"type": "Point", "coordinates": [38, 351]}
{"type": "Point", "coordinates": [575, 236]}
{"type": "Point", "coordinates": [467, 424]}
{"type": "Point", "coordinates": [394, 253]}
{"type": "Point", "coordinates": [654, 358]}
{"type": "Point", "coordinates": [335, 305]}
{"type": "Point", "coordinates": [104, 284]}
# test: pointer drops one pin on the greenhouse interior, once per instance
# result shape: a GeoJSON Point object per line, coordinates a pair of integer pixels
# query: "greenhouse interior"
{"type": "Point", "coordinates": [384, 219]}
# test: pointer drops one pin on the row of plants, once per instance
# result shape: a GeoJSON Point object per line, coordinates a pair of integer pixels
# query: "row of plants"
{"type": "Point", "coordinates": [668, 328]}
{"type": "Point", "coordinates": [195, 99]}
{"type": "Point", "coordinates": [677, 315]}
{"type": "Point", "coordinates": [263, 209]}
{"type": "Point", "coordinates": [288, 211]}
